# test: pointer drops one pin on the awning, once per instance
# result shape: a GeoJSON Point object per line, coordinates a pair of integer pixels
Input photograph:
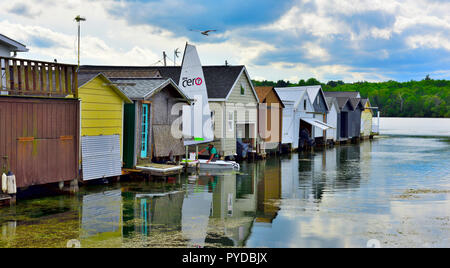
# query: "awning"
{"type": "Point", "coordinates": [317, 123]}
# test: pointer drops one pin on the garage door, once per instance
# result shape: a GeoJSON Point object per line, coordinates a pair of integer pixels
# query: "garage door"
{"type": "Point", "coordinates": [101, 157]}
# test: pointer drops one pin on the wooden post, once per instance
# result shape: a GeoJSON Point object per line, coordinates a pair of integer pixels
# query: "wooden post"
{"type": "Point", "coordinates": [7, 75]}
{"type": "Point", "coordinates": [187, 158]}
{"type": "Point", "coordinates": [13, 200]}
{"type": "Point", "coordinates": [15, 76]}
{"type": "Point", "coordinates": [50, 78]}
{"type": "Point", "coordinates": [1, 75]}
{"type": "Point", "coordinates": [74, 186]}
{"type": "Point", "coordinates": [197, 166]}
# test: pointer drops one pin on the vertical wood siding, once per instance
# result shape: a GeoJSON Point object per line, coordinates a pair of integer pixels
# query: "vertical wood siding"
{"type": "Point", "coordinates": [40, 137]}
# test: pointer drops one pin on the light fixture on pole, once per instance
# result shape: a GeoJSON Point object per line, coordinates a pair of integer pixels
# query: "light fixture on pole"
{"type": "Point", "coordinates": [79, 19]}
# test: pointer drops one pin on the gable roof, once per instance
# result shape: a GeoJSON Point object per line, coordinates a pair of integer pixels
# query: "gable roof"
{"type": "Point", "coordinates": [365, 101]}
{"type": "Point", "coordinates": [143, 88]}
{"type": "Point", "coordinates": [121, 73]}
{"type": "Point", "coordinates": [332, 100]}
{"type": "Point", "coordinates": [263, 91]}
{"type": "Point", "coordinates": [84, 79]}
{"type": "Point", "coordinates": [219, 79]}
{"type": "Point", "coordinates": [342, 101]}
{"type": "Point", "coordinates": [348, 94]}
{"type": "Point", "coordinates": [13, 44]}
{"type": "Point", "coordinates": [313, 91]}
{"type": "Point", "coordinates": [356, 102]}
{"type": "Point", "coordinates": [291, 94]}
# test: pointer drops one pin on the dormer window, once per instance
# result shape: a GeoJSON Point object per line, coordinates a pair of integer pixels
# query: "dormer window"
{"type": "Point", "coordinates": [242, 90]}
{"type": "Point", "coordinates": [304, 105]}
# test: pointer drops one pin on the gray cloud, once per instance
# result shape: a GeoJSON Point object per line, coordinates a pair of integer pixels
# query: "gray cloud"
{"type": "Point", "coordinates": [24, 10]}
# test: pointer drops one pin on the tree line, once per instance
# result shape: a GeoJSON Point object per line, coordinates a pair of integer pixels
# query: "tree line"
{"type": "Point", "coordinates": [425, 98]}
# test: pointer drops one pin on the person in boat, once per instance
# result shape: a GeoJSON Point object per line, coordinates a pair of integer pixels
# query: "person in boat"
{"type": "Point", "coordinates": [305, 138]}
{"type": "Point", "coordinates": [213, 155]}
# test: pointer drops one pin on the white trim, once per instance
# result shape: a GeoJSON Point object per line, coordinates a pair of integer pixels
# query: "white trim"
{"type": "Point", "coordinates": [232, 112]}
{"type": "Point", "coordinates": [216, 100]}
{"type": "Point", "coordinates": [17, 47]}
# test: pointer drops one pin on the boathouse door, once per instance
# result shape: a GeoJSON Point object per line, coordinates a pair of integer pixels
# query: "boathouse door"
{"type": "Point", "coordinates": [145, 126]}
{"type": "Point", "coordinates": [344, 124]}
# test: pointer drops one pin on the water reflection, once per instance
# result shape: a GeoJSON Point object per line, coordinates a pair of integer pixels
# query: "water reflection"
{"type": "Point", "coordinates": [334, 197]}
{"type": "Point", "coordinates": [101, 218]}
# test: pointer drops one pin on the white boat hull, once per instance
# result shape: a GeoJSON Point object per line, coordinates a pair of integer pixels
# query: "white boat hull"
{"type": "Point", "coordinates": [217, 165]}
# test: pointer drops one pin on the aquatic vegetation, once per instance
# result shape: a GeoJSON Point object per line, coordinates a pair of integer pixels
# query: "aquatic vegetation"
{"type": "Point", "coordinates": [415, 193]}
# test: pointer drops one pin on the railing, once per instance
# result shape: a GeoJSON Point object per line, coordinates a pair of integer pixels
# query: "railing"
{"type": "Point", "coordinates": [21, 77]}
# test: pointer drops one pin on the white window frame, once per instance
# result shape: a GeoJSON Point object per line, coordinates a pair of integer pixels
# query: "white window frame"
{"type": "Point", "coordinates": [230, 119]}
{"type": "Point", "coordinates": [213, 120]}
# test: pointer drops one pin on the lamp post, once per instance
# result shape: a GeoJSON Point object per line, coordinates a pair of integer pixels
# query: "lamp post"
{"type": "Point", "coordinates": [79, 19]}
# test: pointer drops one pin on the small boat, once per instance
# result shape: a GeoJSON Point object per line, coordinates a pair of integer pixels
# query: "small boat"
{"type": "Point", "coordinates": [217, 165]}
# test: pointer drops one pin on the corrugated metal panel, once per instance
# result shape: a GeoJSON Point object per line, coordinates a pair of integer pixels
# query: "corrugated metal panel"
{"type": "Point", "coordinates": [101, 157]}
{"type": "Point", "coordinates": [40, 137]}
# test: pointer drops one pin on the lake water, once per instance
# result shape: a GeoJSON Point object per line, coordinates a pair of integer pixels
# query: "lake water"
{"type": "Point", "coordinates": [414, 126]}
{"type": "Point", "coordinates": [394, 190]}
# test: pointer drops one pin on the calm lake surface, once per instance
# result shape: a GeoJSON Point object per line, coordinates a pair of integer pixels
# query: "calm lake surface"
{"type": "Point", "coordinates": [395, 189]}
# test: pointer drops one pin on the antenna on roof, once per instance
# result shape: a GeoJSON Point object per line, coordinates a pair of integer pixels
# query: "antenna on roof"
{"type": "Point", "coordinates": [175, 56]}
{"type": "Point", "coordinates": [164, 58]}
{"type": "Point", "coordinates": [79, 19]}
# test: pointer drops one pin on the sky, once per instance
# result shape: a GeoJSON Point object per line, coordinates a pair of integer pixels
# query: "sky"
{"type": "Point", "coordinates": [366, 40]}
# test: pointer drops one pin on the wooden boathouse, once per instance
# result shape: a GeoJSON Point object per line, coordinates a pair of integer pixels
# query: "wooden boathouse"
{"type": "Point", "coordinates": [270, 118]}
{"type": "Point", "coordinates": [148, 124]}
{"type": "Point", "coordinates": [39, 121]}
{"type": "Point", "coordinates": [102, 108]}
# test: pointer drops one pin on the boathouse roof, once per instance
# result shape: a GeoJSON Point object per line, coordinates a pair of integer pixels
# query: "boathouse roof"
{"type": "Point", "coordinates": [143, 88]}
{"type": "Point", "coordinates": [12, 44]}
{"type": "Point", "coordinates": [219, 79]}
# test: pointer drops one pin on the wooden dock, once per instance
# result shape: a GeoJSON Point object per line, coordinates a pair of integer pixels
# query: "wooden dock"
{"type": "Point", "coordinates": [160, 169]}
{"type": "Point", "coordinates": [5, 200]}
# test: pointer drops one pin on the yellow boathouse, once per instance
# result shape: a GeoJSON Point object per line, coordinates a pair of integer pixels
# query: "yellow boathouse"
{"type": "Point", "coordinates": [101, 126]}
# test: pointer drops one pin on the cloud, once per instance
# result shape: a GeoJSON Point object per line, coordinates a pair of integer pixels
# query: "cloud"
{"type": "Point", "coordinates": [314, 51]}
{"type": "Point", "coordinates": [292, 39]}
{"type": "Point", "coordinates": [434, 41]}
{"type": "Point", "coordinates": [181, 16]}
{"type": "Point", "coordinates": [22, 9]}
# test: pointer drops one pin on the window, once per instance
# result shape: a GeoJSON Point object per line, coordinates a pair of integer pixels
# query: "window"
{"type": "Point", "coordinates": [213, 120]}
{"type": "Point", "coordinates": [242, 89]}
{"type": "Point", "coordinates": [318, 100]}
{"type": "Point", "coordinates": [230, 120]}
{"type": "Point", "coordinates": [180, 114]}
{"type": "Point", "coordinates": [304, 105]}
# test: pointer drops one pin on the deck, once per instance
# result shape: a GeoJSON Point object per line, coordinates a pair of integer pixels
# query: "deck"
{"type": "Point", "coordinates": [24, 77]}
{"type": "Point", "coordinates": [160, 169]}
